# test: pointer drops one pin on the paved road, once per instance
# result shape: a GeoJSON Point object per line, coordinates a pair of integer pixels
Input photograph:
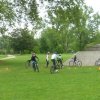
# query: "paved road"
{"type": "Point", "coordinates": [88, 58]}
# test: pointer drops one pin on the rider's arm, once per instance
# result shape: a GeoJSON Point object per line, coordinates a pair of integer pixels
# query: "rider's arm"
{"type": "Point", "coordinates": [31, 58]}
{"type": "Point", "coordinates": [37, 58]}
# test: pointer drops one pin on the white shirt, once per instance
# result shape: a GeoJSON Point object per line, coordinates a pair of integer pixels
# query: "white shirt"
{"type": "Point", "coordinates": [54, 56]}
{"type": "Point", "coordinates": [47, 57]}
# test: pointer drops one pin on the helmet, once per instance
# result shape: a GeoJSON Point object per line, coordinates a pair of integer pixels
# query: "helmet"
{"type": "Point", "coordinates": [55, 52]}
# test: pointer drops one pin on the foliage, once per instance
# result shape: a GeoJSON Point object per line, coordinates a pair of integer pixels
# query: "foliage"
{"type": "Point", "coordinates": [19, 12]}
{"type": "Point", "coordinates": [22, 41]}
{"type": "Point", "coordinates": [51, 41]}
{"type": "Point", "coordinates": [6, 11]}
{"type": "Point", "coordinates": [5, 44]}
{"type": "Point", "coordinates": [73, 22]}
{"type": "Point", "coordinates": [7, 15]}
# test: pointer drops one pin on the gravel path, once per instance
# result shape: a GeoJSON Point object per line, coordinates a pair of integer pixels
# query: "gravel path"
{"type": "Point", "coordinates": [88, 58]}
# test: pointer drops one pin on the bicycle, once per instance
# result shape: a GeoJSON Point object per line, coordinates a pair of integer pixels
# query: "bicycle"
{"type": "Point", "coordinates": [54, 68]}
{"type": "Point", "coordinates": [97, 62]}
{"type": "Point", "coordinates": [35, 66]}
{"type": "Point", "coordinates": [30, 63]}
{"type": "Point", "coordinates": [76, 63]}
{"type": "Point", "coordinates": [59, 64]}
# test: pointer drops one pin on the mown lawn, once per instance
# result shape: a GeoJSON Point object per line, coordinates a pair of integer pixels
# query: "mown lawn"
{"type": "Point", "coordinates": [20, 83]}
{"type": "Point", "coordinates": [2, 56]}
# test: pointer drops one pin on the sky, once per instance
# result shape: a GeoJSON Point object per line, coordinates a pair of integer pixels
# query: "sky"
{"type": "Point", "coordinates": [95, 4]}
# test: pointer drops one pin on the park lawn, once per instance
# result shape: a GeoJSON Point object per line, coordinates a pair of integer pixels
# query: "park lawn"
{"type": "Point", "coordinates": [20, 83]}
{"type": "Point", "coordinates": [2, 56]}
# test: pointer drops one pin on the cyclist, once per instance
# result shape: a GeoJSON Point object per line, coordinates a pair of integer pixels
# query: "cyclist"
{"type": "Point", "coordinates": [59, 60]}
{"type": "Point", "coordinates": [53, 59]}
{"type": "Point", "coordinates": [75, 59]}
{"type": "Point", "coordinates": [34, 59]}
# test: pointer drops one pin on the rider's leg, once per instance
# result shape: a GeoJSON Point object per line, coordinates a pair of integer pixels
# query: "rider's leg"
{"type": "Point", "coordinates": [37, 68]}
{"type": "Point", "coordinates": [54, 63]}
{"type": "Point", "coordinates": [47, 63]}
{"type": "Point", "coordinates": [61, 63]}
{"type": "Point", "coordinates": [33, 65]}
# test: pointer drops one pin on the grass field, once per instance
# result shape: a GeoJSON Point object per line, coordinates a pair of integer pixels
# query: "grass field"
{"type": "Point", "coordinates": [2, 56]}
{"type": "Point", "coordinates": [20, 83]}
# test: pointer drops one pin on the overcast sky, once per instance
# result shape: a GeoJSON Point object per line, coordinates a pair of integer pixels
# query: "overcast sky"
{"type": "Point", "coordinates": [95, 4]}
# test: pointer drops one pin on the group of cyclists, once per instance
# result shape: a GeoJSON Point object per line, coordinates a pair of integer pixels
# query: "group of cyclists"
{"type": "Point", "coordinates": [55, 59]}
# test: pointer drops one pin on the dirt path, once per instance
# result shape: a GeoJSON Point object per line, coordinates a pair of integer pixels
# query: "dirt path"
{"type": "Point", "coordinates": [8, 57]}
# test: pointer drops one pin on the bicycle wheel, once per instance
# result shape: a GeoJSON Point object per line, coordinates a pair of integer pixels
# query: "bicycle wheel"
{"type": "Point", "coordinates": [37, 67]}
{"type": "Point", "coordinates": [58, 66]}
{"type": "Point", "coordinates": [27, 63]}
{"type": "Point", "coordinates": [97, 63]}
{"type": "Point", "coordinates": [79, 63]}
{"type": "Point", "coordinates": [52, 69]}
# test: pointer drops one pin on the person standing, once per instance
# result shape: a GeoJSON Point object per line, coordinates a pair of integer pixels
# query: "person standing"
{"type": "Point", "coordinates": [47, 59]}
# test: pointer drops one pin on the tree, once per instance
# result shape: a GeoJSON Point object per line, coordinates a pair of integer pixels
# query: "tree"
{"type": "Point", "coordinates": [70, 19]}
{"type": "Point", "coordinates": [5, 46]}
{"type": "Point", "coordinates": [6, 15]}
{"type": "Point", "coordinates": [22, 41]}
{"type": "Point", "coordinates": [19, 12]}
{"type": "Point", "coordinates": [50, 41]}
{"type": "Point", "coordinates": [65, 18]}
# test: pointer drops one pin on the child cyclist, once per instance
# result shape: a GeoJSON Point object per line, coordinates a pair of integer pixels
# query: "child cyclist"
{"type": "Point", "coordinates": [34, 59]}
{"type": "Point", "coordinates": [59, 60]}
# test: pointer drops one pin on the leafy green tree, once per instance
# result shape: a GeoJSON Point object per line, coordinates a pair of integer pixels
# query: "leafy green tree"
{"type": "Point", "coordinates": [5, 46]}
{"type": "Point", "coordinates": [70, 19]}
{"type": "Point", "coordinates": [50, 41]}
{"type": "Point", "coordinates": [64, 17]}
{"type": "Point", "coordinates": [7, 15]}
{"type": "Point", "coordinates": [6, 11]}
{"type": "Point", "coordinates": [22, 41]}
{"type": "Point", "coordinates": [14, 12]}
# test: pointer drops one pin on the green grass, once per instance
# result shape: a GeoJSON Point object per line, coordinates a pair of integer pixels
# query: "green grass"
{"type": "Point", "coordinates": [2, 56]}
{"type": "Point", "coordinates": [19, 83]}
